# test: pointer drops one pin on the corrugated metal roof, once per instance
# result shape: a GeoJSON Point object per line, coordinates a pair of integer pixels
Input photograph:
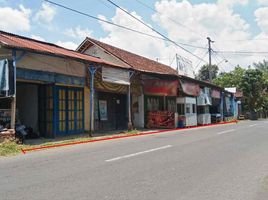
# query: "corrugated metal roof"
{"type": "Point", "coordinates": [15, 41]}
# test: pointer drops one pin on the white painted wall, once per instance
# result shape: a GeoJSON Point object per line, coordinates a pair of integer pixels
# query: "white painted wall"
{"type": "Point", "coordinates": [98, 52]}
{"type": "Point", "coordinates": [138, 117]}
{"type": "Point", "coordinates": [204, 119]}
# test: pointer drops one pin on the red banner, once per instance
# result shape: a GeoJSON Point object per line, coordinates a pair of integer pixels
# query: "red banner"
{"type": "Point", "coordinates": [190, 88]}
{"type": "Point", "coordinates": [160, 87]}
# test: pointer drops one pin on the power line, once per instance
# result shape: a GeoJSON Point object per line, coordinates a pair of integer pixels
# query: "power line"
{"type": "Point", "coordinates": [153, 29]}
{"type": "Point", "coordinates": [99, 19]}
{"type": "Point", "coordinates": [244, 40]}
{"type": "Point", "coordinates": [169, 18]}
{"type": "Point", "coordinates": [114, 24]}
{"type": "Point", "coordinates": [201, 61]}
{"type": "Point", "coordinates": [223, 56]}
{"type": "Point", "coordinates": [242, 52]}
{"type": "Point", "coordinates": [219, 62]}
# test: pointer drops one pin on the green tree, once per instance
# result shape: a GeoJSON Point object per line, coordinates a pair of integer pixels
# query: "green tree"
{"type": "Point", "coordinates": [230, 79]}
{"type": "Point", "coordinates": [203, 73]}
{"type": "Point", "coordinates": [263, 66]}
{"type": "Point", "coordinates": [254, 87]}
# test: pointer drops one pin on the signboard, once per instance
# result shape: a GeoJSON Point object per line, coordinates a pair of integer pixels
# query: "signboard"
{"type": "Point", "coordinates": [103, 110]}
{"type": "Point", "coordinates": [160, 87]}
{"type": "Point", "coordinates": [117, 76]}
{"type": "Point", "coordinates": [190, 88]}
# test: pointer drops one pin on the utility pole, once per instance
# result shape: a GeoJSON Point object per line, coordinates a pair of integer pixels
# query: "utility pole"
{"type": "Point", "coordinates": [177, 64]}
{"type": "Point", "coordinates": [209, 54]}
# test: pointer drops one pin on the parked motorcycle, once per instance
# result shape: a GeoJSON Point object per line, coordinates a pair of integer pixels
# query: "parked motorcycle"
{"type": "Point", "coordinates": [21, 133]}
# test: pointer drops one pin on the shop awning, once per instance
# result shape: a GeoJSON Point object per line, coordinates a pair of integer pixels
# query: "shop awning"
{"type": "Point", "coordinates": [189, 88]}
{"type": "Point", "coordinates": [117, 76]}
{"type": "Point", "coordinates": [160, 87]}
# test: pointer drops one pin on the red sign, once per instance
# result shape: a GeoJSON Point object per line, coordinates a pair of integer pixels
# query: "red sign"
{"type": "Point", "coordinates": [160, 87]}
{"type": "Point", "coordinates": [190, 88]}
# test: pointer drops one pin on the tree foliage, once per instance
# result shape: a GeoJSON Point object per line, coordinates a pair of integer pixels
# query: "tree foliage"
{"type": "Point", "coordinates": [230, 79]}
{"type": "Point", "coordinates": [254, 87]}
{"type": "Point", "coordinates": [253, 83]}
{"type": "Point", "coordinates": [203, 73]}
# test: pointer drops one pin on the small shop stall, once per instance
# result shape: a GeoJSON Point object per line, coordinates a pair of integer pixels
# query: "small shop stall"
{"type": "Point", "coordinates": [160, 103]}
{"type": "Point", "coordinates": [186, 107]}
{"type": "Point", "coordinates": [110, 99]}
{"type": "Point", "coordinates": [203, 105]}
{"type": "Point", "coordinates": [186, 103]}
{"type": "Point", "coordinates": [229, 104]}
{"type": "Point", "coordinates": [215, 108]}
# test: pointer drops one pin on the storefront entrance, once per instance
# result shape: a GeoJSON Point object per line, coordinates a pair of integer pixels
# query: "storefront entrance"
{"type": "Point", "coordinates": [61, 110]}
{"type": "Point", "coordinates": [69, 118]}
{"type": "Point", "coordinates": [110, 111]}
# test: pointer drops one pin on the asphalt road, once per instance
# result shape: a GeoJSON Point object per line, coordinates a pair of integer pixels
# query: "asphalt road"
{"type": "Point", "coordinates": [228, 162]}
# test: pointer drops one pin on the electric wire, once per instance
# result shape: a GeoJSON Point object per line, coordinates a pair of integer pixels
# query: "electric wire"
{"type": "Point", "coordinates": [200, 61]}
{"type": "Point", "coordinates": [169, 18]}
{"type": "Point", "coordinates": [242, 52]}
{"type": "Point", "coordinates": [117, 25]}
{"type": "Point", "coordinates": [117, 6]}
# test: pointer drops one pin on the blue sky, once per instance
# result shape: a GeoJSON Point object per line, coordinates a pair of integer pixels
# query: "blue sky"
{"type": "Point", "coordinates": [65, 19]}
{"type": "Point", "coordinates": [223, 20]}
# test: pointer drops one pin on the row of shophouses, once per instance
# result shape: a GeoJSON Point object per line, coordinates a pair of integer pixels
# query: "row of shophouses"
{"type": "Point", "coordinates": [100, 87]}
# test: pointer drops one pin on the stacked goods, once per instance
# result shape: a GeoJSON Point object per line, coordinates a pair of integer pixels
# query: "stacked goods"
{"type": "Point", "coordinates": [160, 119]}
{"type": "Point", "coordinates": [7, 134]}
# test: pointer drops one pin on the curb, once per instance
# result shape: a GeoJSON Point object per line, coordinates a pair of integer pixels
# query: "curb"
{"type": "Point", "coordinates": [24, 151]}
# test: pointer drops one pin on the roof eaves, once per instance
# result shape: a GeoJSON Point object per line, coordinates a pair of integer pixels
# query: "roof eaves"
{"type": "Point", "coordinates": [103, 47]}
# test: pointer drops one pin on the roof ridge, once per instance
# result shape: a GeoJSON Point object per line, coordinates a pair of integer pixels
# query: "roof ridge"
{"type": "Point", "coordinates": [89, 38]}
{"type": "Point", "coordinates": [4, 33]}
{"type": "Point", "coordinates": [27, 38]}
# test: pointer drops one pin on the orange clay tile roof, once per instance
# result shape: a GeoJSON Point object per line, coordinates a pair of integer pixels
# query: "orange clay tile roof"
{"type": "Point", "coordinates": [137, 62]}
{"type": "Point", "coordinates": [10, 40]}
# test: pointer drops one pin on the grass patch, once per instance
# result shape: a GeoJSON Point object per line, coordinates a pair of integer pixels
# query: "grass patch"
{"type": "Point", "coordinates": [10, 148]}
{"type": "Point", "coordinates": [79, 139]}
{"type": "Point", "coordinates": [132, 132]}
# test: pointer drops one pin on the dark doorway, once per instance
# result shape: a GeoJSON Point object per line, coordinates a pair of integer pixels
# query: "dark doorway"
{"type": "Point", "coordinates": [116, 111]}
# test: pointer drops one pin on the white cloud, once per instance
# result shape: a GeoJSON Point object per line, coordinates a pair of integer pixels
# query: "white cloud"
{"type": "Point", "coordinates": [36, 37]}
{"type": "Point", "coordinates": [261, 15]}
{"type": "Point", "coordinates": [78, 32]}
{"type": "Point", "coordinates": [14, 20]}
{"type": "Point", "coordinates": [231, 3]}
{"type": "Point", "coordinates": [132, 41]}
{"type": "Point", "coordinates": [217, 20]}
{"type": "Point", "coordinates": [263, 2]}
{"type": "Point", "coordinates": [67, 45]}
{"type": "Point", "coordinates": [46, 14]}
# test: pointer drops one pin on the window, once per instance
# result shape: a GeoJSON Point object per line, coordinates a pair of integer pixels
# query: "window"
{"type": "Point", "coordinates": [188, 108]}
{"type": "Point", "coordinates": [180, 108]}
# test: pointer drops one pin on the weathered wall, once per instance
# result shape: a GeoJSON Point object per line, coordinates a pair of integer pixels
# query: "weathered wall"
{"type": "Point", "coordinates": [52, 64]}
{"type": "Point", "coordinates": [98, 52]}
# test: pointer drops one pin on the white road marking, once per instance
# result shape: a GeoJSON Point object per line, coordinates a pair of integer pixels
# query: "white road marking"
{"type": "Point", "coordinates": [253, 125]}
{"type": "Point", "coordinates": [227, 131]}
{"type": "Point", "coordinates": [138, 153]}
